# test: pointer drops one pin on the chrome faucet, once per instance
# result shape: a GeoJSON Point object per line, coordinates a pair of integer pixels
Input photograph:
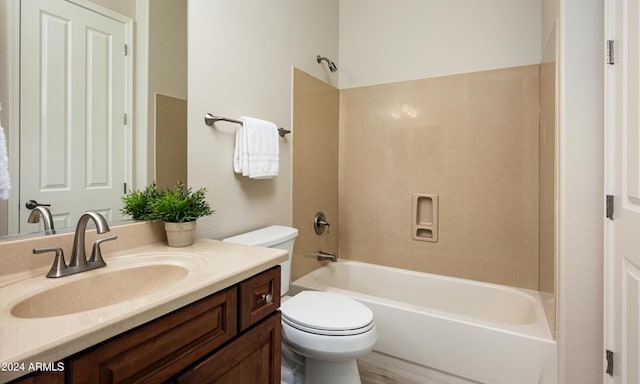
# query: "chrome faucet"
{"type": "Point", "coordinates": [324, 256]}
{"type": "Point", "coordinates": [45, 213]}
{"type": "Point", "coordinates": [79, 262]}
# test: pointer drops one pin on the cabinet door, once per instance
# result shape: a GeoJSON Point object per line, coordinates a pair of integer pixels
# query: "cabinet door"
{"type": "Point", "coordinates": [156, 351]}
{"type": "Point", "coordinates": [253, 358]}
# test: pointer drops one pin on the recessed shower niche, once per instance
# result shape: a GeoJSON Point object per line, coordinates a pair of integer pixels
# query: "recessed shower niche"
{"type": "Point", "coordinates": [425, 217]}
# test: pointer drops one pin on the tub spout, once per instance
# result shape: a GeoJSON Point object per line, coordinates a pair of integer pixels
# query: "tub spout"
{"type": "Point", "coordinates": [324, 256]}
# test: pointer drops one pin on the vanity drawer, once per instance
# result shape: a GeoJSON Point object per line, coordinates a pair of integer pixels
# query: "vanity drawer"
{"type": "Point", "coordinates": [156, 351]}
{"type": "Point", "coordinates": [259, 296]}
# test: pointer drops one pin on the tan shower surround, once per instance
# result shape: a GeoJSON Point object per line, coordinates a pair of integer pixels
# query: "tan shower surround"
{"type": "Point", "coordinates": [171, 140]}
{"type": "Point", "coordinates": [470, 138]}
{"type": "Point", "coordinates": [315, 168]}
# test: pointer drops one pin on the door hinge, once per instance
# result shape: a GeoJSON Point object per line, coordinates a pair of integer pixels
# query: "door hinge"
{"type": "Point", "coordinates": [125, 50]}
{"type": "Point", "coordinates": [124, 118]}
{"type": "Point", "coordinates": [609, 357]}
{"type": "Point", "coordinates": [125, 187]}
{"type": "Point", "coordinates": [610, 52]}
{"type": "Point", "coordinates": [610, 207]}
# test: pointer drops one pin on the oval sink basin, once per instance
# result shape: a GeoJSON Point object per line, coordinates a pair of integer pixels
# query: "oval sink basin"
{"type": "Point", "coordinates": [99, 290]}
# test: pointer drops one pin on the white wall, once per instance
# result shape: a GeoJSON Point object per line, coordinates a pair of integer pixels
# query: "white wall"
{"type": "Point", "coordinates": [386, 41]}
{"type": "Point", "coordinates": [240, 57]}
{"type": "Point", "coordinates": [581, 184]}
{"type": "Point", "coordinates": [550, 14]}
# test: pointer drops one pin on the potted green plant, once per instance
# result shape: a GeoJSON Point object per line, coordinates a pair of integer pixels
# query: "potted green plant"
{"type": "Point", "coordinates": [179, 207]}
{"type": "Point", "coordinates": [137, 204]}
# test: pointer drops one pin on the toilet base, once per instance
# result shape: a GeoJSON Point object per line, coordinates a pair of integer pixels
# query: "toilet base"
{"type": "Point", "coordinates": [335, 372]}
{"type": "Point", "coordinates": [291, 367]}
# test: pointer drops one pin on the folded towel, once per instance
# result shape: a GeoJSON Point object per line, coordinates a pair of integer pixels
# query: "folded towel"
{"type": "Point", "coordinates": [256, 152]}
{"type": "Point", "coordinates": [5, 184]}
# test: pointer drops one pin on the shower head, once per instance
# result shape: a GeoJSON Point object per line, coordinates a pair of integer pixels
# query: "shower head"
{"type": "Point", "coordinates": [331, 64]}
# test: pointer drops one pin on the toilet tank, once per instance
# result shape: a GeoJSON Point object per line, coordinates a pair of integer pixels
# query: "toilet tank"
{"type": "Point", "coordinates": [275, 236]}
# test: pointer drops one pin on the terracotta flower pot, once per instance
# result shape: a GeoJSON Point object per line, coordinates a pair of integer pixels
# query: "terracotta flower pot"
{"type": "Point", "coordinates": [180, 234]}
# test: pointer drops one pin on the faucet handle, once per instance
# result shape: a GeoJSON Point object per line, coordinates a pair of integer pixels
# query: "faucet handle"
{"type": "Point", "coordinates": [96, 253]}
{"type": "Point", "coordinates": [320, 223]}
{"type": "Point", "coordinates": [59, 264]}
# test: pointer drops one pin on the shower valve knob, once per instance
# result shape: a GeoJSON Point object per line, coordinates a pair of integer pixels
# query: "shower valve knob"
{"type": "Point", "coordinates": [320, 223]}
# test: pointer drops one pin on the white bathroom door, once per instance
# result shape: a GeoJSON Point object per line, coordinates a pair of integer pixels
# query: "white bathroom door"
{"type": "Point", "coordinates": [622, 237]}
{"type": "Point", "coordinates": [73, 149]}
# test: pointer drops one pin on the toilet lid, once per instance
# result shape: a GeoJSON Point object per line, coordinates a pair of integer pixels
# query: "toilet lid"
{"type": "Point", "coordinates": [326, 313]}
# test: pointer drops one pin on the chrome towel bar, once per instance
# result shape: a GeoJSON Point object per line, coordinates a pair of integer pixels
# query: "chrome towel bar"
{"type": "Point", "coordinates": [210, 119]}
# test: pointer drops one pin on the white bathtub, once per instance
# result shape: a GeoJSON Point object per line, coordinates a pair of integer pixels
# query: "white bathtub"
{"type": "Point", "coordinates": [483, 332]}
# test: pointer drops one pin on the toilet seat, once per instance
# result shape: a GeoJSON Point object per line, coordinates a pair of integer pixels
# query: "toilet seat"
{"type": "Point", "coordinates": [327, 314]}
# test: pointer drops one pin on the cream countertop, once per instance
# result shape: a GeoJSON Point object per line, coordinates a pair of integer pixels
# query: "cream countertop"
{"type": "Point", "coordinates": [215, 265]}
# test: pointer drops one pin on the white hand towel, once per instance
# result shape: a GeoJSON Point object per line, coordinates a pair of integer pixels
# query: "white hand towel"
{"type": "Point", "coordinates": [256, 153]}
{"type": "Point", "coordinates": [5, 183]}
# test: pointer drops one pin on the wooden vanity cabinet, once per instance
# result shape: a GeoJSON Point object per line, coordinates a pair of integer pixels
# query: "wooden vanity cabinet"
{"type": "Point", "coordinates": [42, 378]}
{"type": "Point", "coordinates": [232, 336]}
{"type": "Point", "coordinates": [254, 357]}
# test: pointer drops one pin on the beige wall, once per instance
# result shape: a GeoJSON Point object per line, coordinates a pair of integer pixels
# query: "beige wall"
{"type": "Point", "coordinates": [168, 48]}
{"type": "Point", "coordinates": [160, 57]}
{"type": "Point", "coordinates": [123, 7]}
{"type": "Point", "coordinates": [315, 168]}
{"type": "Point", "coordinates": [580, 198]}
{"type": "Point", "coordinates": [385, 41]}
{"type": "Point", "coordinates": [472, 139]}
{"type": "Point", "coordinates": [240, 59]}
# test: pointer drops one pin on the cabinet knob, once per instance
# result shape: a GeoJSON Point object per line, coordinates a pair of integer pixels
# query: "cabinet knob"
{"type": "Point", "coordinates": [267, 298]}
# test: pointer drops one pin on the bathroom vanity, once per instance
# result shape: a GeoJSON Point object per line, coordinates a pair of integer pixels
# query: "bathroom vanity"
{"type": "Point", "coordinates": [232, 336]}
{"type": "Point", "coordinates": [218, 324]}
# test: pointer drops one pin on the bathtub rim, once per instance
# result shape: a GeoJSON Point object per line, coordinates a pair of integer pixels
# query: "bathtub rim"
{"type": "Point", "coordinates": [537, 330]}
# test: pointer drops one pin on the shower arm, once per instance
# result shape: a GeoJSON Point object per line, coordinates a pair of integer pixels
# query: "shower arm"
{"type": "Point", "coordinates": [332, 66]}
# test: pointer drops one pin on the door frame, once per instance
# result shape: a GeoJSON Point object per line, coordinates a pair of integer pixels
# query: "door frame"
{"type": "Point", "coordinates": [610, 291]}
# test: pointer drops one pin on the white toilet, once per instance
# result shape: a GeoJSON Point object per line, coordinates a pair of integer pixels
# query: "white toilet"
{"type": "Point", "coordinates": [322, 333]}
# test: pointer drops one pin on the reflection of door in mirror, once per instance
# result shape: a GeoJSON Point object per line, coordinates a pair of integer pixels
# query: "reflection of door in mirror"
{"type": "Point", "coordinates": [75, 148]}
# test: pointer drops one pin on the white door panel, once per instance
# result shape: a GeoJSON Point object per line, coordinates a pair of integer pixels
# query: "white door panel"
{"type": "Point", "coordinates": [622, 251]}
{"type": "Point", "coordinates": [73, 97]}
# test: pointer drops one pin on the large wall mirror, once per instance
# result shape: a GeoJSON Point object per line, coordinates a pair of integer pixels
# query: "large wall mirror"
{"type": "Point", "coordinates": [42, 147]}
